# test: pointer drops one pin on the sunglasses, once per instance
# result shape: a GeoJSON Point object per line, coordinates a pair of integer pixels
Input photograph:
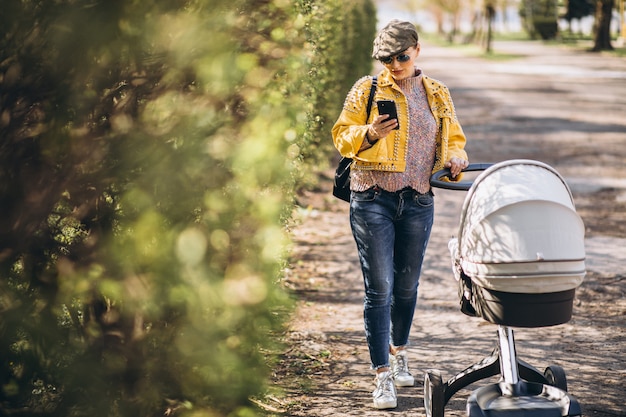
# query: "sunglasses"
{"type": "Point", "coordinates": [401, 58]}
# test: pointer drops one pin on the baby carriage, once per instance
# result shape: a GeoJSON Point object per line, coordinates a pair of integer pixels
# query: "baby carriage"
{"type": "Point", "coordinates": [518, 259]}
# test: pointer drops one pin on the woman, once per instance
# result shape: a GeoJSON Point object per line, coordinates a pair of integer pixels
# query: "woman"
{"type": "Point", "coordinates": [391, 204]}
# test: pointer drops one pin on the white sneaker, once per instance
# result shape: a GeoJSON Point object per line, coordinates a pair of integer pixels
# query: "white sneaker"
{"type": "Point", "coordinates": [400, 370]}
{"type": "Point", "coordinates": [385, 393]}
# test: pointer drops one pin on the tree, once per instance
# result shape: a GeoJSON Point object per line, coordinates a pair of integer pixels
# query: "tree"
{"type": "Point", "coordinates": [602, 27]}
{"type": "Point", "coordinates": [576, 10]}
{"type": "Point", "coordinates": [540, 18]}
{"type": "Point", "coordinates": [490, 12]}
{"type": "Point", "coordinates": [441, 10]}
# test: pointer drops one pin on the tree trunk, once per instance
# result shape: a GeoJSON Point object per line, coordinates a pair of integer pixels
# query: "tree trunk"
{"type": "Point", "coordinates": [602, 35]}
{"type": "Point", "coordinates": [490, 12]}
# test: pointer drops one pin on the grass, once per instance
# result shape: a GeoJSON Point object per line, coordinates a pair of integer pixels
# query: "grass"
{"type": "Point", "coordinates": [580, 43]}
{"type": "Point", "coordinates": [475, 49]}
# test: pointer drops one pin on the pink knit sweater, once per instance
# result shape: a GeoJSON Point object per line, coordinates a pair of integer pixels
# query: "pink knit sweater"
{"type": "Point", "coordinates": [420, 157]}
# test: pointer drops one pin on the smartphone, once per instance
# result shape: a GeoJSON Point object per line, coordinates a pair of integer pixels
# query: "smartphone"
{"type": "Point", "coordinates": [388, 107]}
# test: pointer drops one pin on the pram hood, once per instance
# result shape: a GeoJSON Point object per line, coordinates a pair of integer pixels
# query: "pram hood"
{"type": "Point", "coordinates": [519, 231]}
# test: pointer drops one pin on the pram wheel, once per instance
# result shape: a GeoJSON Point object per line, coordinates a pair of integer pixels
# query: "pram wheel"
{"type": "Point", "coordinates": [555, 375]}
{"type": "Point", "coordinates": [433, 394]}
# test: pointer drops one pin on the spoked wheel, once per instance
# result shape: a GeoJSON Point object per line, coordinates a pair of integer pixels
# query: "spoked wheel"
{"type": "Point", "coordinates": [433, 394]}
{"type": "Point", "coordinates": [555, 375]}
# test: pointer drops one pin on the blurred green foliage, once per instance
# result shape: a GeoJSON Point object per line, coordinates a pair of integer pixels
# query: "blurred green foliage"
{"type": "Point", "coordinates": [149, 152]}
{"type": "Point", "coordinates": [539, 18]}
{"type": "Point", "coordinates": [147, 159]}
{"type": "Point", "coordinates": [339, 35]}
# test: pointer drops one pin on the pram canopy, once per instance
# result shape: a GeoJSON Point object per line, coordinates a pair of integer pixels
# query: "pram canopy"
{"type": "Point", "coordinates": [519, 231]}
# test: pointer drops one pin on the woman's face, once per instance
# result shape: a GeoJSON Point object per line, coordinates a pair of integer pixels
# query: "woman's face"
{"type": "Point", "coordinates": [402, 65]}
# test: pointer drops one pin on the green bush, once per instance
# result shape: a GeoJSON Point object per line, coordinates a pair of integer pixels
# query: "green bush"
{"type": "Point", "coordinates": [547, 28]}
{"type": "Point", "coordinates": [340, 35]}
{"type": "Point", "coordinates": [149, 151]}
{"type": "Point", "coordinates": [539, 18]}
{"type": "Point", "coordinates": [146, 166]}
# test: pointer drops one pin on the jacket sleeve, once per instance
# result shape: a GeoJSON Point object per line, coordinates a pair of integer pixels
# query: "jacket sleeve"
{"type": "Point", "coordinates": [452, 136]}
{"type": "Point", "coordinates": [456, 140]}
{"type": "Point", "coordinates": [456, 136]}
{"type": "Point", "coordinates": [350, 128]}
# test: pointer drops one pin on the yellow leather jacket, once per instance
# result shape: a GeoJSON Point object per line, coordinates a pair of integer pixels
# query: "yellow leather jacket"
{"type": "Point", "coordinates": [389, 153]}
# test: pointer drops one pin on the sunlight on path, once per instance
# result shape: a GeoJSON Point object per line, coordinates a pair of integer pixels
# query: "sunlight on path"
{"type": "Point", "coordinates": [606, 255]}
{"type": "Point", "coordinates": [560, 70]}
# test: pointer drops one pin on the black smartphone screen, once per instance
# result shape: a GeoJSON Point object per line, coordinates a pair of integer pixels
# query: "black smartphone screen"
{"type": "Point", "coordinates": [388, 107]}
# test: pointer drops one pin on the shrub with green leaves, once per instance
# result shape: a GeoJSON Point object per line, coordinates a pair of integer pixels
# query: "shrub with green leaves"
{"type": "Point", "coordinates": [539, 18]}
{"type": "Point", "coordinates": [147, 156]}
{"type": "Point", "coordinates": [340, 35]}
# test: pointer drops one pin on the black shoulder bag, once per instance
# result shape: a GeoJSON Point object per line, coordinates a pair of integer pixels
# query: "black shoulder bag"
{"type": "Point", "coordinates": [341, 186]}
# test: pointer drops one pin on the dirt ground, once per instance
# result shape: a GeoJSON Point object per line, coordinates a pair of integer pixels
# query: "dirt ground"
{"type": "Point", "coordinates": [561, 106]}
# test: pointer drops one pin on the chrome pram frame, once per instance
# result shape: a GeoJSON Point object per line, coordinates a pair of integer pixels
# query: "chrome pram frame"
{"type": "Point", "coordinates": [522, 390]}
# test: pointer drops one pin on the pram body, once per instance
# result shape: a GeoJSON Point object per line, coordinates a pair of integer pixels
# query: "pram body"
{"type": "Point", "coordinates": [518, 258]}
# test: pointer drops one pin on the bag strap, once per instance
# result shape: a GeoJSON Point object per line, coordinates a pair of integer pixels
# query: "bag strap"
{"type": "Point", "coordinates": [370, 100]}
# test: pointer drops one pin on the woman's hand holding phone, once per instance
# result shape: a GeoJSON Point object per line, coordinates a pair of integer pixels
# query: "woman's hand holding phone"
{"type": "Point", "coordinates": [385, 122]}
{"type": "Point", "coordinates": [388, 107]}
{"type": "Point", "coordinates": [381, 127]}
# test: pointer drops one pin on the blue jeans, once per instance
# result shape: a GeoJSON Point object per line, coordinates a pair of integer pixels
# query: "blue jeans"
{"type": "Point", "coordinates": [391, 231]}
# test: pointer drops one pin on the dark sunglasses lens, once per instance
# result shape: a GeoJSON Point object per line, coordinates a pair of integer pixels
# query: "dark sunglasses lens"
{"type": "Point", "coordinates": [400, 58]}
{"type": "Point", "coordinates": [403, 58]}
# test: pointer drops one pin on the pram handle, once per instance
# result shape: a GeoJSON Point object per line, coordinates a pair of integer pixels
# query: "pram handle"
{"type": "Point", "coordinates": [436, 180]}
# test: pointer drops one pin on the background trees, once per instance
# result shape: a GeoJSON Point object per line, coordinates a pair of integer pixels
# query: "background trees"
{"type": "Point", "coordinates": [540, 18]}
{"type": "Point", "coordinates": [576, 10]}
